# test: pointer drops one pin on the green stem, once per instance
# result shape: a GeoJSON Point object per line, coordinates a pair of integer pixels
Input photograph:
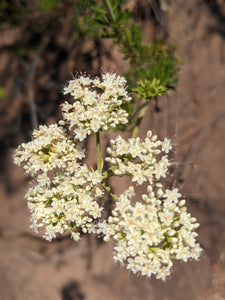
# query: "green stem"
{"type": "Point", "coordinates": [108, 188]}
{"type": "Point", "coordinates": [110, 11]}
{"type": "Point", "coordinates": [122, 34]}
{"type": "Point", "coordinates": [98, 151]}
{"type": "Point", "coordinates": [109, 172]}
{"type": "Point", "coordinates": [138, 109]}
{"type": "Point", "coordinates": [138, 122]}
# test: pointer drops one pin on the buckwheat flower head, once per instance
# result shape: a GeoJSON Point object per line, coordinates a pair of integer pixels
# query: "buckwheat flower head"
{"type": "Point", "coordinates": [141, 160]}
{"type": "Point", "coordinates": [65, 195]}
{"type": "Point", "coordinates": [65, 202]}
{"type": "Point", "coordinates": [97, 104]}
{"type": "Point", "coordinates": [49, 149]}
{"type": "Point", "coordinates": [149, 235]}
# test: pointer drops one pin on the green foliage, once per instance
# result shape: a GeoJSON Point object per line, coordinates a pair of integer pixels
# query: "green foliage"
{"type": "Point", "coordinates": [162, 64]}
{"type": "Point", "coordinates": [148, 89]}
{"type": "Point", "coordinates": [153, 67]}
{"type": "Point", "coordinates": [159, 69]}
{"type": "Point", "coordinates": [35, 19]}
{"type": "Point", "coordinates": [48, 5]}
{"type": "Point", "coordinates": [85, 21]}
{"type": "Point", "coordinates": [9, 13]}
{"type": "Point", "coordinates": [108, 19]}
{"type": "Point", "coordinates": [2, 92]}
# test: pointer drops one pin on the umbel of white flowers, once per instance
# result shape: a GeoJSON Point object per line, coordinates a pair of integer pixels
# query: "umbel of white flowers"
{"type": "Point", "coordinates": [147, 235]}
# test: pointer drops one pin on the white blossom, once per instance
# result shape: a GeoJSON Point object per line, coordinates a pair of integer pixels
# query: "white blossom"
{"type": "Point", "coordinates": [66, 207]}
{"type": "Point", "coordinates": [49, 149]}
{"type": "Point", "coordinates": [138, 159]}
{"type": "Point", "coordinates": [148, 233]}
{"type": "Point", "coordinates": [97, 104]}
{"type": "Point", "coordinates": [149, 236]}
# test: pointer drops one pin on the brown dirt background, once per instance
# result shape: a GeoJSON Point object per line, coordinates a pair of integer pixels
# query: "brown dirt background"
{"type": "Point", "coordinates": [194, 116]}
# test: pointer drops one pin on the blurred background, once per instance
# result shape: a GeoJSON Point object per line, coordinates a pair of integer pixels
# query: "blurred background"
{"type": "Point", "coordinates": [41, 47]}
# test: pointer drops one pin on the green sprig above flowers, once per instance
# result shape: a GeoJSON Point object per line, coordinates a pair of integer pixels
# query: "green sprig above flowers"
{"type": "Point", "coordinates": [148, 89]}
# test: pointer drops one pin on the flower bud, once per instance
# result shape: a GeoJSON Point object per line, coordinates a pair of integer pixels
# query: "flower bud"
{"type": "Point", "coordinates": [84, 230]}
{"type": "Point", "coordinates": [171, 232]}
{"type": "Point", "coordinates": [109, 150]}
{"type": "Point", "coordinates": [174, 240]}
{"type": "Point", "coordinates": [176, 224]}
{"type": "Point", "coordinates": [182, 202]}
{"type": "Point", "coordinates": [149, 134]}
{"type": "Point", "coordinates": [145, 197]}
{"type": "Point", "coordinates": [110, 220]}
{"type": "Point", "coordinates": [154, 138]}
{"type": "Point", "coordinates": [159, 193]}
{"type": "Point", "coordinates": [149, 189]}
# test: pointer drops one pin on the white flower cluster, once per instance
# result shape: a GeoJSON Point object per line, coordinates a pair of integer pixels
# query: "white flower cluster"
{"type": "Point", "coordinates": [65, 196]}
{"type": "Point", "coordinates": [65, 203]}
{"type": "Point", "coordinates": [149, 234]}
{"type": "Point", "coordinates": [49, 149]}
{"type": "Point", "coordinates": [97, 104]}
{"type": "Point", "coordinates": [137, 158]}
